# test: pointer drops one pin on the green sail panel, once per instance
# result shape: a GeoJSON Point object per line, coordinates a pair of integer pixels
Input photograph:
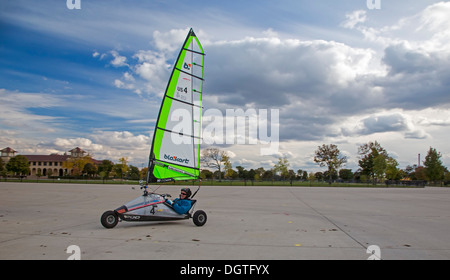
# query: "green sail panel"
{"type": "Point", "coordinates": [175, 152]}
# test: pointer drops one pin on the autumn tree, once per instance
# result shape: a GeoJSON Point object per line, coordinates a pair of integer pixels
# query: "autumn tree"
{"type": "Point", "coordinates": [330, 156]}
{"type": "Point", "coordinates": [77, 164]}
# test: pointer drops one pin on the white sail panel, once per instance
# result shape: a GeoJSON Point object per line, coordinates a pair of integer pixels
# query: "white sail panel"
{"type": "Point", "coordinates": [177, 149]}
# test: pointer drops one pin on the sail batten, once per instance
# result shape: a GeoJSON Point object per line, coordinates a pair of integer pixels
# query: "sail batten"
{"type": "Point", "coordinates": [175, 150]}
{"type": "Point", "coordinates": [189, 74]}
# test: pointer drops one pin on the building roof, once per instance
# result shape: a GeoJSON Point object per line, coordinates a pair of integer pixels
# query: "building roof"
{"type": "Point", "coordinates": [8, 150]}
{"type": "Point", "coordinates": [58, 158]}
{"type": "Point", "coordinates": [77, 150]}
{"type": "Point", "coordinates": [52, 157]}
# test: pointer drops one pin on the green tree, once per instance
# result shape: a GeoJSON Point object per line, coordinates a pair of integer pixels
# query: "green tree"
{"type": "Point", "coordinates": [346, 174]}
{"type": "Point", "coordinates": [2, 165]}
{"type": "Point", "coordinates": [90, 169]}
{"type": "Point", "coordinates": [379, 166]}
{"type": "Point", "coordinates": [311, 177]}
{"type": "Point", "coordinates": [228, 168]}
{"type": "Point", "coordinates": [105, 166]}
{"type": "Point", "coordinates": [268, 175]}
{"type": "Point", "coordinates": [392, 170]}
{"type": "Point", "coordinates": [250, 175]}
{"type": "Point", "coordinates": [330, 156]}
{"type": "Point", "coordinates": [123, 165]}
{"type": "Point", "coordinates": [368, 152]}
{"type": "Point", "coordinates": [282, 167]}
{"type": "Point", "coordinates": [206, 174]}
{"type": "Point", "coordinates": [133, 172]}
{"type": "Point", "coordinates": [259, 173]}
{"type": "Point", "coordinates": [18, 165]}
{"type": "Point", "coordinates": [434, 170]}
{"type": "Point", "coordinates": [319, 176]}
{"type": "Point", "coordinates": [241, 172]}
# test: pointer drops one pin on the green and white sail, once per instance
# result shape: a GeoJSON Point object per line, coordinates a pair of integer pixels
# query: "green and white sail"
{"type": "Point", "coordinates": [175, 152]}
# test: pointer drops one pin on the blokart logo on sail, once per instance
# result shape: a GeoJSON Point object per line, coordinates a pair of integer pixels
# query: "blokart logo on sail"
{"type": "Point", "coordinates": [187, 66]}
{"type": "Point", "coordinates": [176, 159]}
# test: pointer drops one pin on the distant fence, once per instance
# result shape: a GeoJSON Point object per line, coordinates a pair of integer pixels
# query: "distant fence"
{"type": "Point", "coordinates": [416, 183]}
{"type": "Point", "coordinates": [225, 182]}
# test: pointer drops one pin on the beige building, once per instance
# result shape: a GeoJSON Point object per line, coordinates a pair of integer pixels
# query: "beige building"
{"type": "Point", "coordinates": [46, 165]}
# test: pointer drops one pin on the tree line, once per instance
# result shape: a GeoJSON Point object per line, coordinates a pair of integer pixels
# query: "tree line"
{"type": "Point", "coordinates": [375, 165]}
{"type": "Point", "coordinates": [81, 167]}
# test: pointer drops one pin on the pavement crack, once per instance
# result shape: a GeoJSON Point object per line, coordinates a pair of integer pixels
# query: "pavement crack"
{"type": "Point", "coordinates": [328, 219]}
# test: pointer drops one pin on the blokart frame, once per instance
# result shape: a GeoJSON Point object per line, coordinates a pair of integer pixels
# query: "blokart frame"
{"type": "Point", "coordinates": [151, 207]}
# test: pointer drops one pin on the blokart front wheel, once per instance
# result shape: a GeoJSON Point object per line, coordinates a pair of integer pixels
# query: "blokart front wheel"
{"type": "Point", "coordinates": [199, 218]}
{"type": "Point", "coordinates": [109, 219]}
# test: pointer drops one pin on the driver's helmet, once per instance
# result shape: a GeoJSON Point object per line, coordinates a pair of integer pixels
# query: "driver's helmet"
{"type": "Point", "coordinates": [187, 191]}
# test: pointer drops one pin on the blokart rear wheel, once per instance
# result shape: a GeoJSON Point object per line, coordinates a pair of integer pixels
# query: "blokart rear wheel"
{"type": "Point", "coordinates": [109, 219]}
{"type": "Point", "coordinates": [199, 218]}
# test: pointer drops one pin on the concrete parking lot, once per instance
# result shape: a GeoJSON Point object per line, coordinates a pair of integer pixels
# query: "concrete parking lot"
{"type": "Point", "coordinates": [40, 221]}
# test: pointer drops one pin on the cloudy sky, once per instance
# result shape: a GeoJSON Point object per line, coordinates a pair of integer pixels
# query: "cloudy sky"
{"type": "Point", "coordinates": [337, 71]}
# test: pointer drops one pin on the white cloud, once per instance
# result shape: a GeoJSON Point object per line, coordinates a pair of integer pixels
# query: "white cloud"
{"type": "Point", "coordinates": [354, 18]}
{"type": "Point", "coordinates": [101, 145]}
{"type": "Point", "coordinates": [118, 61]}
{"type": "Point", "coordinates": [68, 144]}
{"type": "Point", "coordinates": [153, 67]}
{"type": "Point", "coordinates": [15, 111]}
{"type": "Point", "coordinates": [385, 122]}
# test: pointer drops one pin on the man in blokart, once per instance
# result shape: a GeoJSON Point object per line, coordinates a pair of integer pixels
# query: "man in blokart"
{"type": "Point", "coordinates": [183, 204]}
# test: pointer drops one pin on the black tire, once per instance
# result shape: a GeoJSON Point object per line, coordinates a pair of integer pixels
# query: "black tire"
{"type": "Point", "coordinates": [199, 218]}
{"type": "Point", "coordinates": [109, 219]}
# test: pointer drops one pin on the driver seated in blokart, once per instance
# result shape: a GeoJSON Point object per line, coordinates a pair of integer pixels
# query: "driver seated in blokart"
{"type": "Point", "coordinates": [183, 204]}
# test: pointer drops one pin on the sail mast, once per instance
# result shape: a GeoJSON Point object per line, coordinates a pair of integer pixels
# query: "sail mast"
{"type": "Point", "coordinates": [173, 154]}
